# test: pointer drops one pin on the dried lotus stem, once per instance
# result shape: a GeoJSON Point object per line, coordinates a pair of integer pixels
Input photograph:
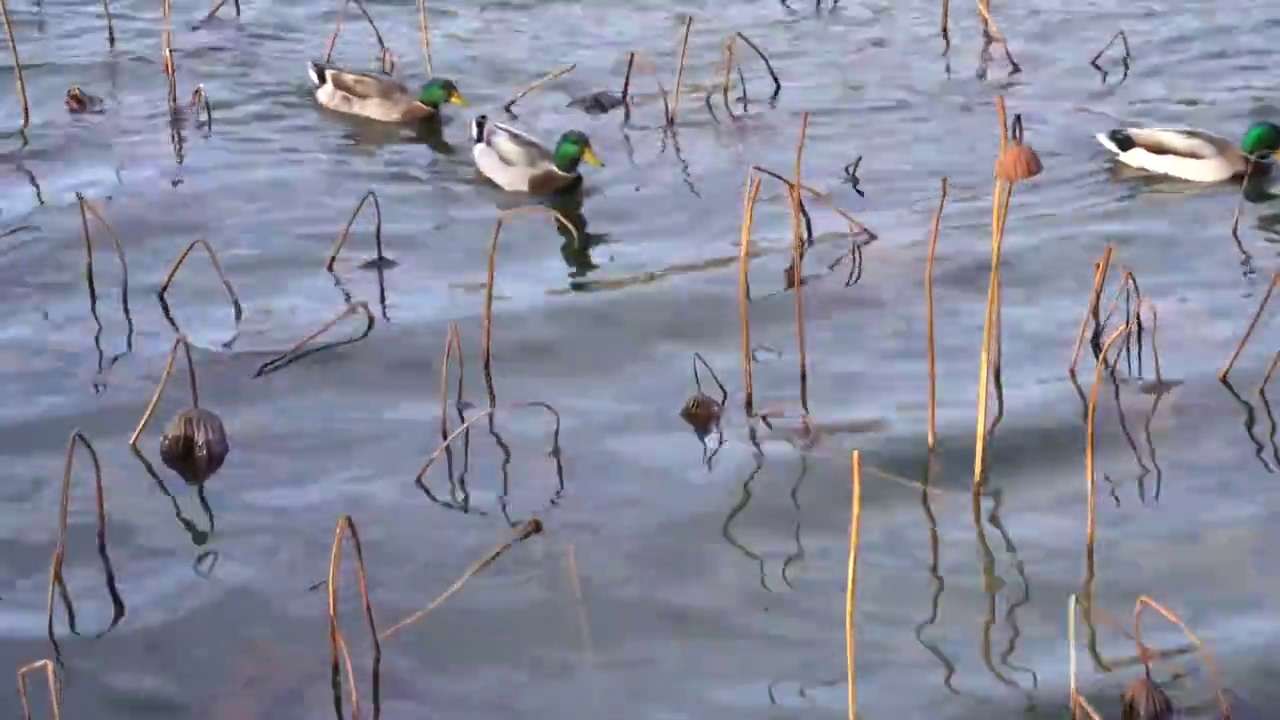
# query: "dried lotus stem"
{"type": "Point", "coordinates": [337, 640]}
{"type": "Point", "coordinates": [217, 268]}
{"type": "Point", "coordinates": [554, 74]}
{"type": "Point", "coordinates": [341, 240]}
{"type": "Point", "coordinates": [164, 380]}
{"type": "Point", "coordinates": [17, 65]}
{"type": "Point", "coordinates": [1253, 325]}
{"type": "Point", "coordinates": [295, 353]}
{"type": "Point", "coordinates": [51, 679]}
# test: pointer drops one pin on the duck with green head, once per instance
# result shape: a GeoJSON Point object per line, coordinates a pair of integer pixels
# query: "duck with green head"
{"type": "Point", "coordinates": [519, 163]}
{"type": "Point", "coordinates": [1195, 155]}
{"type": "Point", "coordinates": [379, 96]}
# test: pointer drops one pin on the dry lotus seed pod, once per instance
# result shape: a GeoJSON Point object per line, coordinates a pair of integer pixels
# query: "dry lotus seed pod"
{"type": "Point", "coordinates": [1144, 700]}
{"type": "Point", "coordinates": [78, 101]}
{"type": "Point", "coordinates": [702, 412]}
{"type": "Point", "coordinates": [194, 445]}
{"type": "Point", "coordinates": [1018, 163]}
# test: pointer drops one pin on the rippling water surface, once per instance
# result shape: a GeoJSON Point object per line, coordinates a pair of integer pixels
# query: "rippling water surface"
{"type": "Point", "coordinates": [700, 591]}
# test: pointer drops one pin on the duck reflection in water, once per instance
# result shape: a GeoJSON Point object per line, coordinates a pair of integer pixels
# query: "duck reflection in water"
{"type": "Point", "coordinates": [576, 251]}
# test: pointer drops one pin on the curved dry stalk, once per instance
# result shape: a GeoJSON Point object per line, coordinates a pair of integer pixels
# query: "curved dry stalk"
{"type": "Point", "coordinates": [1095, 297]}
{"type": "Point", "coordinates": [1155, 326]}
{"type": "Point", "coordinates": [855, 226]}
{"type": "Point", "coordinates": [17, 65]}
{"type": "Point", "coordinates": [1253, 325]}
{"type": "Point", "coordinates": [337, 29]}
{"type": "Point", "coordinates": [1124, 42]}
{"type": "Point", "coordinates": [994, 35]}
{"type": "Point", "coordinates": [928, 299]}
{"type": "Point", "coordinates": [1145, 601]}
{"type": "Point", "coordinates": [337, 640]}
{"type": "Point", "coordinates": [288, 357]}
{"type": "Point", "coordinates": [537, 84]}
{"type": "Point", "coordinates": [486, 358]}
{"type": "Point", "coordinates": [1271, 370]}
{"type": "Point", "coordinates": [744, 287]}
{"type": "Point", "coordinates": [989, 338]}
{"type": "Point", "coordinates": [726, 80]}
{"type": "Point", "coordinates": [180, 341]}
{"type": "Point", "coordinates": [424, 31]}
{"type": "Point", "coordinates": [56, 581]}
{"type": "Point", "coordinates": [426, 466]}
{"type": "Point", "coordinates": [647, 67]}
{"type": "Point", "coordinates": [217, 268]}
{"type": "Point", "coordinates": [1091, 423]}
{"type": "Point", "coordinates": [684, 49]}
{"type": "Point", "coordinates": [51, 678]}
{"type": "Point", "coordinates": [88, 208]}
{"type": "Point", "coordinates": [526, 530]}
{"type": "Point", "coordinates": [768, 66]}
{"type": "Point", "coordinates": [341, 240]}
{"type": "Point", "coordinates": [850, 601]}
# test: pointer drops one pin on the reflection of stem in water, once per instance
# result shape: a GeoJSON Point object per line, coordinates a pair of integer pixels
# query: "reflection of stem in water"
{"type": "Point", "coordinates": [198, 537]}
{"type": "Point", "coordinates": [1010, 618]}
{"type": "Point", "coordinates": [939, 585]}
{"type": "Point", "coordinates": [296, 353]}
{"type": "Point", "coordinates": [1250, 421]}
{"type": "Point", "coordinates": [743, 501]}
{"type": "Point", "coordinates": [991, 583]}
{"type": "Point", "coordinates": [1271, 419]}
{"type": "Point", "coordinates": [103, 364]}
{"type": "Point", "coordinates": [685, 175]}
{"type": "Point", "coordinates": [1124, 430]}
{"type": "Point", "coordinates": [1151, 445]}
{"type": "Point", "coordinates": [798, 555]}
{"type": "Point", "coordinates": [56, 580]}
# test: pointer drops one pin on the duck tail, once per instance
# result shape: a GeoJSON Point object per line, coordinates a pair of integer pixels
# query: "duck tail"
{"type": "Point", "coordinates": [1117, 141]}
{"type": "Point", "coordinates": [477, 128]}
{"type": "Point", "coordinates": [316, 71]}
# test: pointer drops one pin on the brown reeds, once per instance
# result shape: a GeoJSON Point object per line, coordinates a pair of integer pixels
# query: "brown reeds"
{"type": "Point", "coordinates": [236, 308]}
{"type": "Point", "coordinates": [554, 74]}
{"type": "Point", "coordinates": [51, 679]}
{"type": "Point", "coordinates": [424, 31]}
{"type": "Point", "coordinates": [797, 262]}
{"type": "Point", "coordinates": [452, 347]}
{"type": "Point", "coordinates": [486, 355]}
{"type": "Point", "coordinates": [1146, 602]}
{"type": "Point", "coordinates": [991, 33]}
{"type": "Point", "coordinates": [1253, 325]}
{"type": "Point", "coordinates": [725, 80]}
{"type": "Point", "coordinates": [524, 531]}
{"type": "Point", "coordinates": [928, 300]}
{"type": "Point", "coordinates": [744, 288]}
{"type": "Point", "coordinates": [380, 259]}
{"type": "Point", "coordinates": [337, 640]}
{"type": "Point", "coordinates": [17, 65]}
{"type": "Point", "coordinates": [851, 584]}
{"type": "Point", "coordinates": [388, 58]}
{"type": "Point", "coordinates": [296, 353]}
{"type": "Point", "coordinates": [945, 25]}
{"type": "Point", "coordinates": [675, 90]}
{"type": "Point", "coordinates": [57, 584]}
{"type": "Point", "coordinates": [1095, 298]}
{"type": "Point", "coordinates": [998, 212]}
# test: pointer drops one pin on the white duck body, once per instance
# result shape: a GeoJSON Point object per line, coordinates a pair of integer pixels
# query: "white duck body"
{"type": "Point", "coordinates": [1184, 153]}
{"type": "Point", "coordinates": [514, 160]}
{"type": "Point", "coordinates": [370, 95]}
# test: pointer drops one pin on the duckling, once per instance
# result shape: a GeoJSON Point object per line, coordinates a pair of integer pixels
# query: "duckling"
{"type": "Point", "coordinates": [379, 96]}
{"type": "Point", "coordinates": [519, 163]}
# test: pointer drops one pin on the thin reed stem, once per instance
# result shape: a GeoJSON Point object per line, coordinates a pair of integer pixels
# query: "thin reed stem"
{"type": "Point", "coordinates": [1090, 435]}
{"type": "Point", "coordinates": [684, 48]}
{"type": "Point", "coordinates": [17, 65]}
{"type": "Point", "coordinates": [51, 679]}
{"type": "Point", "coordinates": [744, 287]}
{"type": "Point", "coordinates": [1095, 296]}
{"type": "Point", "coordinates": [851, 585]}
{"type": "Point", "coordinates": [337, 640]}
{"type": "Point", "coordinates": [424, 30]}
{"type": "Point", "coordinates": [288, 357]}
{"type": "Point", "coordinates": [346, 231]}
{"type": "Point", "coordinates": [797, 263]}
{"type": "Point", "coordinates": [537, 84]}
{"type": "Point", "coordinates": [180, 341]}
{"type": "Point", "coordinates": [1253, 325]}
{"type": "Point", "coordinates": [236, 308]}
{"type": "Point", "coordinates": [1145, 602]}
{"type": "Point", "coordinates": [931, 348]}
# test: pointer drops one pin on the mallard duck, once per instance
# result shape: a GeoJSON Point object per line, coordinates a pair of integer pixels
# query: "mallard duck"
{"type": "Point", "coordinates": [379, 96]}
{"type": "Point", "coordinates": [1192, 154]}
{"type": "Point", "coordinates": [519, 163]}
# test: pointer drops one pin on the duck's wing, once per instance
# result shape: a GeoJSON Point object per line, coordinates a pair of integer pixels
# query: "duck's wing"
{"type": "Point", "coordinates": [1185, 153]}
{"type": "Point", "coordinates": [1181, 142]}
{"type": "Point", "coordinates": [515, 147]}
{"type": "Point", "coordinates": [374, 86]}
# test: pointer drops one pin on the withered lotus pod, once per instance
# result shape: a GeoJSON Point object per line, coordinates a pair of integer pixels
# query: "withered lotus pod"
{"type": "Point", "coordinates": [1017, 163]}
{"type": "Point", "coordinates": [194, 445]}
{"type": "Point", "coordinates": [702, 412]}
{"type": "Point", "coordinates": [1144, 700]}
{"type": "Point", "coordinates": [79, 101]}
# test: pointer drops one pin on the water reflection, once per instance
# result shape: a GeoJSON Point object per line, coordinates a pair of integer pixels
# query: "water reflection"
{"type": "Point", "coordinates": [743, 500]}
{"type": "Point", "coordinates": [1250, 423]}
{"type": "Point", "coordinates": [935, 599]}
{"type": "Point", "coordinates": [199, 537]}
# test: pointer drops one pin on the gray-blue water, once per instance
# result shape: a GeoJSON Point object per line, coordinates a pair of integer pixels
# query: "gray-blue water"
{"type": "Point", "coordinates": [706, 592]}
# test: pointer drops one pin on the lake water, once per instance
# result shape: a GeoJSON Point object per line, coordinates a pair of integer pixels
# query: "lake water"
{"type": "Point", "coordinates": [708, 592]}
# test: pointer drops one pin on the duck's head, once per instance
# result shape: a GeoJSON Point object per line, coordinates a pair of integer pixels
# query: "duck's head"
{"type": "Point", "coordinates": [572, 148]}
{"type": "Point", "coordinates": [1261, 140]}
{"type": "Point", "coordinates": [439, 91]}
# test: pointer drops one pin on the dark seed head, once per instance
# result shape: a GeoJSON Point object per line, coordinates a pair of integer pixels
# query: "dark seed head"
{"type": "Point", "coordinates": [1144, 700]}
{"type": "Point", "coordinates": [194, 445]}
{"type": "Point", "coordinates": [702, 412]}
